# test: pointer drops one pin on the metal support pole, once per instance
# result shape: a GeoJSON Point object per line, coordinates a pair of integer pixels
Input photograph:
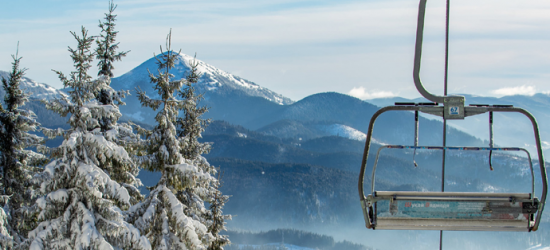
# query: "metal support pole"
{"type": "Point", "coordinates": [443, 174]}
{"type": "Point", "coordinates": [444, 120]}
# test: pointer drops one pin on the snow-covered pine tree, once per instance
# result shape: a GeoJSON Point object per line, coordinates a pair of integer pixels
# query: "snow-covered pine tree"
{"type": "Point", "coordinates": [106, 54]}
{"type": "Point", "coordinates": [120, 133]}
{"type": "Point", "coordinates": [167, 222]}
{"type": "Point", "coordinates": [191, 125]}
{"type": "Point", "coordinates": [190, 128]}
{"type": "Point", "coordinates": [80, 206]}
{"type": "Point", "coordinates": [106, 50]}
{"type": "Point", "coordinates": [18, 164]}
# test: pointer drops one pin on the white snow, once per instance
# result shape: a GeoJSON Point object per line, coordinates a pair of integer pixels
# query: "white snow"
{"type": "Point", "coordinates": [95, 177]}
{"type": "Point", "coordinates": [59, 195]}
{"type": "Point", "coordinates": [71, 142]}
{"type": "Point", "coordinates": [344, 131]}
{"type": "Point", "coordinates": [205, 68]}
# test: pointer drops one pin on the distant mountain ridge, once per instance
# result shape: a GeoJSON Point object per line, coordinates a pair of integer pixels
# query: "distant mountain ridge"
{"type": "Point", "coordinates": [37, 92]}
{"type": "Point", "coordinates": [35, 89]}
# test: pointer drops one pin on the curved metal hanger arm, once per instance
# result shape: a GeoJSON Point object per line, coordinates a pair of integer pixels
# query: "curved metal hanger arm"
{"type": "Point", "coordinates": [418, 58]}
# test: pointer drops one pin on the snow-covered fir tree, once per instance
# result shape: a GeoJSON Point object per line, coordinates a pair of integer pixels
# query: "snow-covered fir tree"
{"type": "Point", "coordinates": [120, 133]}
{"type": "Point", "coordinates": [190, 128]}
{"type": "Point", "coordinates": [162, 217]}
{"type": "Point", "coordinates": [106, 44]}
{"type": "Point", "coordinates": [191, 125]}
{"type": "Point", "coordinates": [215, 217]}
{"type": "Point", "coordinates": [18, 164]}
{"type": "Point", "coordinates": [81, 204]}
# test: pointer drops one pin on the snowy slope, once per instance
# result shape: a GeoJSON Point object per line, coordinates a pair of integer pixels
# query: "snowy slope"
{"type": "Point", "coordinates": [35, 89]}
{"type": "Point", "coordinates": [344, 131]}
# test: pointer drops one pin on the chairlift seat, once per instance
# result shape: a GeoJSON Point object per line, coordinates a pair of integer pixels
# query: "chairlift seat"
{"type": "Point", "coordinates": [456, 211]}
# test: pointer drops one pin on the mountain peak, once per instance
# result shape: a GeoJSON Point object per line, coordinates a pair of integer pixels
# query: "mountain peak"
{"type": "Point", "coordinates": [212, 79]}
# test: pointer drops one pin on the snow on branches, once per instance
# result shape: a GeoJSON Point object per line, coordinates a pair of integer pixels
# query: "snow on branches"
{"type": "Point", "coordinates": [82, 200]}
{"type": "Point", "coordinates": [190, 128]}
{"type": "Point", "coordinates": [18, 163]}
{"type": "Point", "coordinates": [168, 222]}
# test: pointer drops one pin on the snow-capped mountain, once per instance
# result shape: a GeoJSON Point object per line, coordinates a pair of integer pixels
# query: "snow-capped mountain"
{"type": "Point", "coordinates": [35, 89]}
{"type": "Point", "coordinates": [220, 89]}
{"type": "Point", "coordinates": [212, 79]}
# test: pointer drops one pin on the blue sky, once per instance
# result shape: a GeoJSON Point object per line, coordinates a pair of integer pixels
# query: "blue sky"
{"type": "Point", "coordinates": [298, 48]}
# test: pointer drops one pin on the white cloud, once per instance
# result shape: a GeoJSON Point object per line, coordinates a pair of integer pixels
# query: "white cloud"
{"type": "Point", "coordinates": [361, 93]}
{"type": "Point", "coordinates": [519, 90]}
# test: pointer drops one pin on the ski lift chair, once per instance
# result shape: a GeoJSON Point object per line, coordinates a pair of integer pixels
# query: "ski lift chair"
{"type": "Point", "coordinates": [461, 211]}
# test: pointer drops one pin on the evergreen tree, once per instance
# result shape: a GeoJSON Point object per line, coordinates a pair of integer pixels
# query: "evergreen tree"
{"type": "Point", "coordinates": [122, 172]}
{"type": "Point", "coordinates": [106, 54]}
{"type": "Point", "coordinates": [215, 217]}
{"type": "Point", "coordinates": [18, 163]}
{"type": "Point", "coordinates": [81, 205]}
{"type": "Point", "coordinates": [106, 50]}
{"type": "Point", "coordinates": [167, 222]}
{"type": "Point", "coordinates": [190, 128]}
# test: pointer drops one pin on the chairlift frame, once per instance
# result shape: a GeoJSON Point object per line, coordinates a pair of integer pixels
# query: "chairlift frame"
{"type": "Point", "coordinates": [488, 217]}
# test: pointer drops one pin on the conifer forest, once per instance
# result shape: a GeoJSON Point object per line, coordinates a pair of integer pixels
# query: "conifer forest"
{"type": "Point", "coordinates": [84, 193]}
